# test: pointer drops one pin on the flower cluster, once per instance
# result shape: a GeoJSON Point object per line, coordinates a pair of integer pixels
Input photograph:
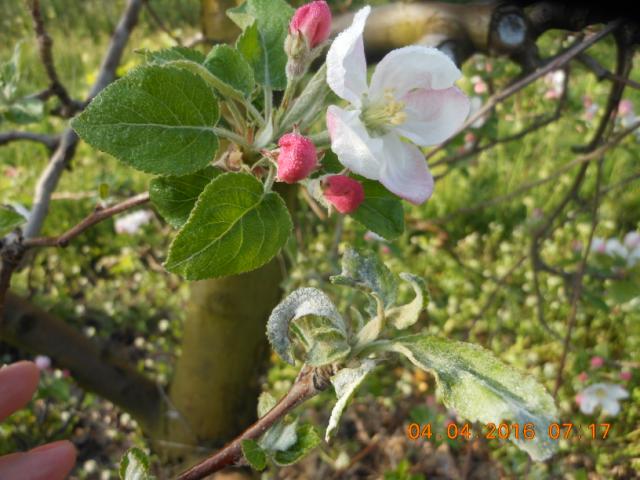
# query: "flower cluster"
{"type": "Point", "coordinates": [627, 250]}
{"type": "Point", "coordinates": [604, 394]}
{"type": "Point", "coordinates": [411, 102]}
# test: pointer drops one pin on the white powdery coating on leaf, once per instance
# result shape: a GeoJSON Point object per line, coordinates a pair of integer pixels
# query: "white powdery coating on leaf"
{"type": "Point", "coordinates": [408, 314]}
{"type": "Point", "coordinates": [301, 302]}
{"type": "Point", "coordinates": [280, 437]}
{"type": "Point", "coordinates": [345, 383]}
{"type": "Point", "coordinates": [481, 388]}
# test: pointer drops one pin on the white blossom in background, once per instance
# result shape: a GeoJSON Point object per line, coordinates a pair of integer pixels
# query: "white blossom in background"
{"type": "Point", "coordinates": [555, 84]}
{"type": "Point", "coordinates": [474, 105]}
{"type": "Point", "coordinates": [411, 96]}
{"type": "Point", "coordinates": [42, 362]}
{"type": "Point", "coordinates": [627, 117]}
{"type": "Point", "coordinates": [590, 108]}
{"type": "Point", "coordinates": [628, 250]}
{"type": "Point", "coordinates": [605, 395]}
{"type": "Point", "coordinates": [132, 222]}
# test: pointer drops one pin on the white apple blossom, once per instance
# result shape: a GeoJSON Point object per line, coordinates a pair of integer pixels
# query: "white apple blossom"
{"type": "Point", "coordinates": [628, 249]}
{"type": "Point", "coordinates": [411, 96]}
{"type": "Point", "coordinates": [607, 395]}
{"type": "Point", "coordinates": [132, 222]}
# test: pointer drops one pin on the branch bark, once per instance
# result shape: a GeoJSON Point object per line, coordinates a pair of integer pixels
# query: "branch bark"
{"type": "Point", "coordinates": [47, 140]}
{"type": "Point", "coordinates": [309, 383]}
{"type": "Point", "coordinates": [97, 368]}
{"type": "Point", "coordinates": [69, 140]}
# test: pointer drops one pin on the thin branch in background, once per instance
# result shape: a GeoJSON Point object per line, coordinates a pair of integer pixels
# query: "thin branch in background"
{"type": "Point", "coordinates": [558, 62]}
{"type": "Point", "coordinates": [624, 64]}
{"type": "Point", "coordinates": [98, 215]}
{"type": "Point", "coordinates": [159, 23]}
{"type": "Point", "coordinates": [48, 141]}
{"type": "Point", "coordinates": [602, 73]}
{"type": "Point", "coordinates": [578, 285]}
{"type": "Point", "coordinates": [49, 178]}
{"type": "Point", "coordinates": [45, 44]}
{"type": "Point", "coordinates": [583, 159]}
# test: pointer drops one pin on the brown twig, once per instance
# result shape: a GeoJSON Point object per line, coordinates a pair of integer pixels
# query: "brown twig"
{"type": "Point", "coordinates": [602, 73]}
{"type": "Point", "coordinates": [47, 140]}
{"type": "Point", "coordinates": [69, 140]}
{"type": "Point", "coordinates": [45, 44]}
{"type": "Point", "coordinates": [577, 285]}
{"type": "Point", "coordinates": [309, 383]}
{"type": "Point", "coordinates": [159, 23]}
{"type": "Point", "coordinates": [558, 62]}
{"type": "Point", "coordinates": [97, 216]}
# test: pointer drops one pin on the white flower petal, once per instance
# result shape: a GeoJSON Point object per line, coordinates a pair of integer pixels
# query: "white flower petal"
{"type": "Point", "coordinates": [614, 248]}
{"type": "Point", "coordinates": [408, 68]}
{"type": "Point", "coordinates": [610, 406]}
{"type": "Point", "coordinates": [346, 63]}
{"type": "Point", "coordinates": [588, 403]}
{"type": "Point", "coordinates": [433, 115]}
{"type": "Point", "coordinates": [351, 142]}
{"type": "Point", "coordinates": [405, 171]}
{"type": "Point", "coordinates": [616, 391]}
{"type": "Point", "coordinates": [632, 240]}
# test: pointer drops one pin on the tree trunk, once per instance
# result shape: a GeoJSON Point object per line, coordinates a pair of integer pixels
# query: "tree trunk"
{"type": "Point", "coordinates": [224, 352]}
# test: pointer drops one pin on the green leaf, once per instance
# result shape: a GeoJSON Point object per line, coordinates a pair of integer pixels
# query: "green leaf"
{"type": "Point", "coordinates": [172, 54]}
{"type": "Point", "coordinates": [265, 403]}
{"type": "Point", "coordinates": [280, 437]}
{"type": "Point", "coordinates": [367, 272]}
{"type": "Point", "coordinates": [481, 388]}
{"type": "Point", "coordinates": [134, 465]}
{"type": "Point", "coordinates": [157, 119]}
{"type": "Point", "coordinates": [9, 220]}
{"type": "Point", "coordinates": [322, 342]}
{"type": "Point", "coordinates": [345, 383]}
{"type": "Point", "coordinates": [254, 454]}
{"type": "Point", "coordinates": [318, 336]}
{"type": "Point", "coordinates": [307, 440]}
{"type": "Point", "coordinates": [262, 42]}
{"type": "Point", "coordinates": [175, 197]}
{"type": "Point", "coordinates": [23, 111]}
{"type": "Point", "coordinates": [622, 291]}
{"type": "Point", "coordinates": [235, 227]}
{"type": "Point", "coordinates": [406, 315]}
{"type": "Point", "coordinates": [227, 64]}
{"type": "Point", "coordinates": [381, 211]}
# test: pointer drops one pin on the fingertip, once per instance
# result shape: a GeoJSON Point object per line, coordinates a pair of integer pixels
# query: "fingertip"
{"type": "Point", "coordinates": [18, 382]}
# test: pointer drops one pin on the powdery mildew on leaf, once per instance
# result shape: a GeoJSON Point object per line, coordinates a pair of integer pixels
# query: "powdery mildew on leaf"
{"type": "Point", "coordinates": [300, 303]}
{"type": "Point", "coordinates": [367, 272]}
{"type": "Point", "coordinates": [345, 383]}
{"type": "Point", "coordinates": [406, 315]}
{"type": "Point", "coordinates": [481, 388]}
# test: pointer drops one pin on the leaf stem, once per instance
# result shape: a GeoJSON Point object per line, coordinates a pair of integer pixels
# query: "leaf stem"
{"type": "Point", "coordinates": [229, 135]}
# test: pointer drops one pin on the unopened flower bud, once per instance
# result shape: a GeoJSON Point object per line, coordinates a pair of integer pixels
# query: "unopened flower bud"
{"type": "Point", "coordinates": [310, 26]}
{"type": "Point", "coordinates": [297, 157]}
{"type": "Point", "coordinates": [344, 193]}
{"type": "Point", "coordinates": [313, 21]}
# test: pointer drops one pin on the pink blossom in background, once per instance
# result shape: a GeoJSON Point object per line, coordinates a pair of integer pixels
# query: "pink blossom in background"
{"type": "Point", "coordinates": [583, 376]}
{"type": "Point", "coordinates": [313, 22]}
{"type": "Point", "coordinates": [297, 158]}
{"type": "Point", "coordinates": [626, 375]}
{"type": "Point", "coordinates": [597, 362]}
{"type": "Point", "coordinates": [625, 107]}
{"type": "Point", "coordinates": [411, 96]}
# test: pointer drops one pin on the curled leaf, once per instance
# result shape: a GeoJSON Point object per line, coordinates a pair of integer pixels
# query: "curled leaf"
{"type": "Point", "coordinates": [406, 315]}
{"type": "Point", "coordinates": [301, 303]}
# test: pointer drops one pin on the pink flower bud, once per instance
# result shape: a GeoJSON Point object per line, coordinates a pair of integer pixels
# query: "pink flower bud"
{"type": "Point", "coordinates": [583, 376]}
{"type": "Point", "coordinates": [344, 193]}
{"type": "Point", "coordinates": [597, 362]}
{"type": "Point", "coordinates": [313, 21]}
{"type": "Point", "coordinates": [297, 157]}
